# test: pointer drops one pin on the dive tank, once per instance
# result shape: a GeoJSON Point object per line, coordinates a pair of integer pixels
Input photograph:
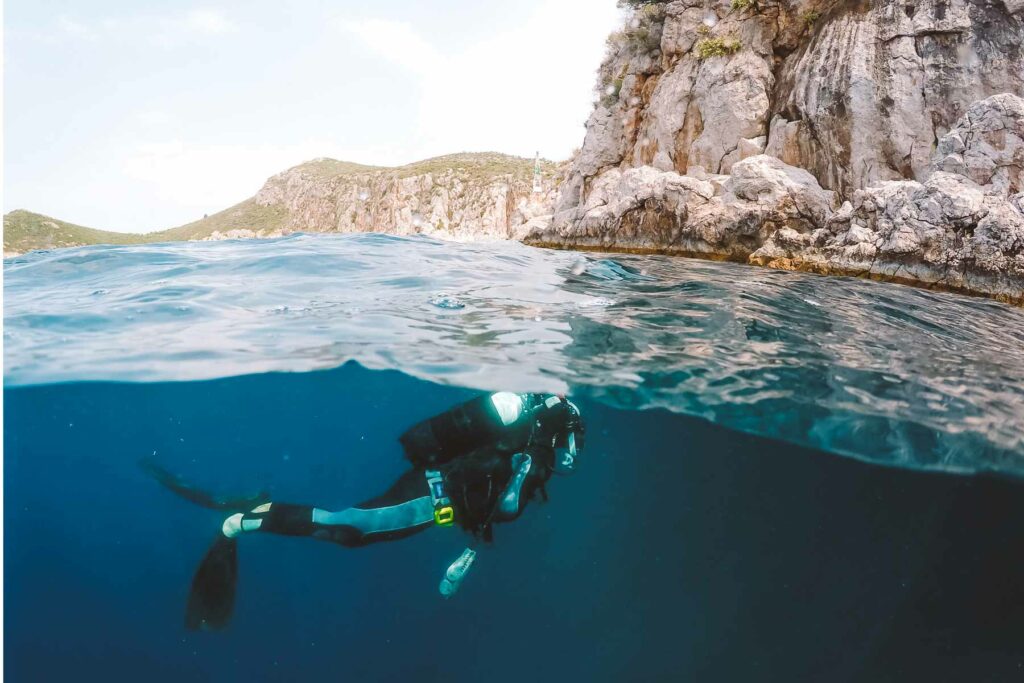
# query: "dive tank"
{"type": "Point", "coordinates": [488, 420]}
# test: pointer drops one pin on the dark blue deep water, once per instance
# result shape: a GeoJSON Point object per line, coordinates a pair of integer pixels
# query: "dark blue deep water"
{"type": "Point", "coordinates": [787, 478]}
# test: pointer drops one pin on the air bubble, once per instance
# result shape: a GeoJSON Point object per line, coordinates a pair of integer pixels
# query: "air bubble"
{"type": "Point", "coordinates": [447, 302]}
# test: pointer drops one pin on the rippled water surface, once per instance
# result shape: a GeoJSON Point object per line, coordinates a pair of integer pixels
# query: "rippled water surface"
{"type": "Point", "coordinates": [880, 372]}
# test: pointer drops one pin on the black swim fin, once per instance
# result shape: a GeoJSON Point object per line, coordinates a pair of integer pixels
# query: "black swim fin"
{"type": "Point", "coordinates": [174, 483]}
{"type": "Point", "coordinates": [212, 600]}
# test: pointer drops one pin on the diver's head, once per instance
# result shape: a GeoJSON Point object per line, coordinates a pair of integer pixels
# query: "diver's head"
{"type": "Point", "coordinates": [568, 441]}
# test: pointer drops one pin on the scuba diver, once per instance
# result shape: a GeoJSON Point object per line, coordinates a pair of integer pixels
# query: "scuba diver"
{"type": "Point", "coordinates": [475, 465]}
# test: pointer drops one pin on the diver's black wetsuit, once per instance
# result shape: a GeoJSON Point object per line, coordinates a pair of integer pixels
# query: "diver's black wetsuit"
{"type": "Point", "coordinates": [468, 452]}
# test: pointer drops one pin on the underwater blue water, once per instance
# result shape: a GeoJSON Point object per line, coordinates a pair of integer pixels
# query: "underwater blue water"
{"type": "Point", "coordinates": [775, 485]}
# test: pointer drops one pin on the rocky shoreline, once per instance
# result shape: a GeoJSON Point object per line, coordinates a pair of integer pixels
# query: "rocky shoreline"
{"type": "Point", "coordinates": [875, 139]}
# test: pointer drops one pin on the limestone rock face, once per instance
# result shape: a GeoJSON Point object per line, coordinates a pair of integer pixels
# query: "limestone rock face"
{"type": "Point", "coordinates": [948, 231]}
{"type": "Point", "coordinates": [878, 83]}
{"type": "Point", "coordinates": [442, 198]}
{"type": "Point", "coordinates": [768, 181]}
{"type": "Point", "coordinates": [987, 145]}
{"type": "Point", "coordinates": [722, 216]}
{"type": "Point", "coordinates": [886, 103]}
{"type": "Point", "coordinates": [853, 91]}
{"type": "Point", "coordinates": [242, 234]}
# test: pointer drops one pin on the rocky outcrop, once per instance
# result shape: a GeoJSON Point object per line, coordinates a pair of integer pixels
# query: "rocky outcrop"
{"type": "Point", "coordinates": [738, 129]}
{"type": "Point", "coordinates": [987, 146]}
{"type": "Point", "coordinates": [462, 197]}
{"type": "Point", "coordinates": [950, 231]}
{"type": "Point", "coordinates": [643, 209]}
{"type": "Point", "coordinates": [879, 83]}
{"type": "Point", "coordinates": [962, 228]}
{"type": "Point", "coordinates": [946, 232]}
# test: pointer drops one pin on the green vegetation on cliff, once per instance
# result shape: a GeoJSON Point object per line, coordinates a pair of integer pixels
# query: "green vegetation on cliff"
{"type": "Point", "coordinates": [485, 164]}
{"type": "Point", "coordinates": [25, 231]}
{"type": "Point", "coordinates": [332, 168]}
{"type": "Point", "coordinates": [247, 215]}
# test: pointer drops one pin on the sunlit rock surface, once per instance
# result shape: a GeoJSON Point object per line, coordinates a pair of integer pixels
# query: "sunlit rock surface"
{"type": "Point", "coordinates": [906, 115]}
{"type": "Point", "coordinates": [462, 197]}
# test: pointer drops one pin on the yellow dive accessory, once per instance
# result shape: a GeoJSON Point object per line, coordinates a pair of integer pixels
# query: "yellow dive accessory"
{"type": "Point", "coordinates": [444, 513]}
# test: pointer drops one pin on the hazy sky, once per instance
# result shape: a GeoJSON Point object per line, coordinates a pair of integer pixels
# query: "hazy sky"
{"type": "Point", "coordinates": [134, 116]}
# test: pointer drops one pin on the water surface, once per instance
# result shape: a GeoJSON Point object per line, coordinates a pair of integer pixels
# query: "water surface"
{"type": "Point", "coordinates": [880, 372]}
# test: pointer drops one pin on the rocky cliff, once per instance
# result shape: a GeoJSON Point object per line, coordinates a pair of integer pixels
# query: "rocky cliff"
{"type": "Point", "coordinates": [882, 138]}
{"type": "Point", "coordinates": [460, 196]}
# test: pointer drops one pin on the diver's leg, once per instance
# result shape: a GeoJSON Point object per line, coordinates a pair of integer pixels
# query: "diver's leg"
{"type": "Point", "coordinates": [403, 510]}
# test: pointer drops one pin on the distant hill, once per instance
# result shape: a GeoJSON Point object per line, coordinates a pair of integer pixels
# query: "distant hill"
{"type": "Point", "coordinates": [25, 231]}
{"type": "Point", "coordinates": [459, 196]}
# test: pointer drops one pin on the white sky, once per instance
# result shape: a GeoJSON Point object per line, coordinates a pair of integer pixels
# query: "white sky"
{"type": "Point", "coordinates": [139, 116]}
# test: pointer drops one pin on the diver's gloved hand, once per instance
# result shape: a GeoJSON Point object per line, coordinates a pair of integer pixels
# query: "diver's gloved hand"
{"type": "Point", "coordinates": [456, 572]}
{"type": "Point", "coordinates": [521, 461]}
{"type": "Point", "coordinates": [508, 506]}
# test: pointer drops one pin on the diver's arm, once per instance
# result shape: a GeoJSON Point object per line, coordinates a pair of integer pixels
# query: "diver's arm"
{"type": "Point", "coordinates": [510, 501]}
{"type": "Point", "coordinates": [508, 507]}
